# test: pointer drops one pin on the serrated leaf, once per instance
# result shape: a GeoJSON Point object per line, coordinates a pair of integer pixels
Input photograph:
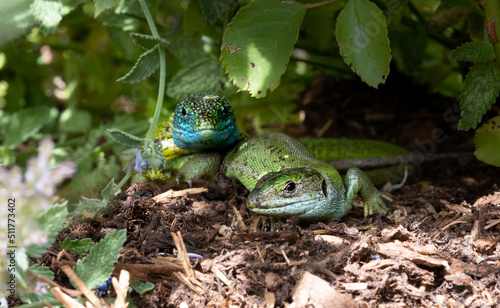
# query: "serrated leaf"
{"type": "Point", "coordinates": [147, 42]}
{"type": "Point", "coordinates": [79, 246]}
{"type": "Point", "coordinates": [42, 270]}
{"type": "Point", "coordinates": [487, 140]}
{"type": "Point", "coordinates": [480, 91]}
{"type": "Point", "coordinates": [474, 52]}
{"type": "Point", "coordinates": [48, 14]}
{"type": "Point", "coordinates": [213, 9]}
{"type": "Point", "coordinates": [106, 192]}
{"type": "Point", "coordinates": [141, 287]}
{"type": "Point", "coordinates": [146, 65]}
{"type": "Point", "coordinates": [102, 5]}
{"type": "Point", "coordinates": [25, 123]}
{"type": "Point", "coordinates": [204, 76]}
{"type": "Point", "coordinates": [258, 42]}
{"type": "Point", "coordinates": [97, 266]}
{"type": "Point", "coordinates": [362, 36]}
{"type": "Point", "coordinates": [125, 138]}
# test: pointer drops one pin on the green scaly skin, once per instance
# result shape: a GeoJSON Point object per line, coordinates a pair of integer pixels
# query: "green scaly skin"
{"type": "Point", "coordinates": [269, 165]}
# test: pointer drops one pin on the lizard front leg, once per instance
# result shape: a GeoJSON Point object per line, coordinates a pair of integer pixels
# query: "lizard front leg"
{"type": "Point", "coordinates": [357, 182]}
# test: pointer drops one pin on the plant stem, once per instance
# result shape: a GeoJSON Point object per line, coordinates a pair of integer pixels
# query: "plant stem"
{"type": "Point", "coordinates": [122, 182]}
{"type": "Point", "coordinates": [492, 17]}
{"type": "Point", "coordinates": [312, 5]}
{"type": "Point", "coordinates": [163, 73]}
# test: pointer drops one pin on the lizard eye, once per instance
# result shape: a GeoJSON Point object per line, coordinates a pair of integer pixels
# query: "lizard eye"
{"type": "Point", "coordinates": [290, 186]}
{"type": "Point", "coordinates": [183, 112]}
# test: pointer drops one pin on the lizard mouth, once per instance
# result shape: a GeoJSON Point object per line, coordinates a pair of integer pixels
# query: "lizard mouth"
{"type": "Point", "coordinates": [296, 208]}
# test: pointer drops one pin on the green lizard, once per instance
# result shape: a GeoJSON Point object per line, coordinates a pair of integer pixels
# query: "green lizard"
{"type": "Point", "coordinates": [254, 158]}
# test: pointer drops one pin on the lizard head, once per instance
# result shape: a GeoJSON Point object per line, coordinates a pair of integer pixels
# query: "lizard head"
{"type": "Point", "coordinates": [298, 192]}
{"type": "Point", "coordinates": [204, 121]}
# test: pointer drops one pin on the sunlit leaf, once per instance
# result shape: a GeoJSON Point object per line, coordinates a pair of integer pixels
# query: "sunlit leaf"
{"type": "Point", "coordinates": [258, 42]}
{"type": "Point", "coordinates": [481, 88]}
{"type": "Point", "coordinates": [18, 130]}
{"type": "Point", "coordinates": [487, 140]}
{"type": "Point", "coordinates": [362, 36]}
{"type": "Point", "coordinates": [48, 14]}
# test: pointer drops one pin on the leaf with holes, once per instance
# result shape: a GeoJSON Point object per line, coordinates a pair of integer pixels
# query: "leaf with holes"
{"type": "Point", "coordinates": [487, 140]}
{"type": "Point", "coordinates": [258, 42]}
{"type": "Point", "coordinates": [362, 36]}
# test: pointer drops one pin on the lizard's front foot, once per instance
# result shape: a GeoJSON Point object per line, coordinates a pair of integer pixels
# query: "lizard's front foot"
{"type": "Point", "coordinates": [357, 182]}
{"type": "Point", "coordinates": [376, 203]}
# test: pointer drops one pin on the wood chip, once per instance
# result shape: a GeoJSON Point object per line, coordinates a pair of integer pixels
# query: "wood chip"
{"type": "Point", "coordinates": [396, 250]}
{"type": "Point", "coordinates": [178, 193]}
{"type": "Point", "coordinates": [312, 291]}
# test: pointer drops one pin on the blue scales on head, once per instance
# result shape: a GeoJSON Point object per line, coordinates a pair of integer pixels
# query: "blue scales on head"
{"type": "Point", "coordinates": [204, 121]}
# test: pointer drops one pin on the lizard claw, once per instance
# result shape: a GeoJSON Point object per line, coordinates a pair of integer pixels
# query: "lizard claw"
{"type": "Point", "coordinates": [377, 204]}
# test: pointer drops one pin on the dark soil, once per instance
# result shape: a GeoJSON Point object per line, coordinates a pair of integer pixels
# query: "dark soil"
{"type": "Point", "coordinates": [438, 246]}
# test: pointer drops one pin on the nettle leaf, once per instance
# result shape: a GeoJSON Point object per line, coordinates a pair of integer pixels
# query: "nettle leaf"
{"type": "Point", "coordinates": [258, 42]}
{"type": "Point", "coordinates": [474, 52]}
{"type": "Point", "coordinates": [480, 91]}
{"type": "Point", "coordinates": [97, 266]}
{"type": "Point", "coordinates": [362, 36]}
{"type": "Point", "coordinates": [147, 42]}
{"type": "Point", "coordinates": [25, 123]}
{"type": "Point", "coordinates": [48, 13]}
{"type": "Point", "coordinates": [213, 9]}
{"type": "Point", "coordinates": [125, 138]}
{"type": "Point", "coordinates": [102, 5]}
{"type": "Point", "coordinates": [487, 140]}
{"type": "Point", "coordinates": [204, 76]}
{"type": "Point", "coordinates": [79, 246]}
{"type": "Point", "coordinates": [146, 65]}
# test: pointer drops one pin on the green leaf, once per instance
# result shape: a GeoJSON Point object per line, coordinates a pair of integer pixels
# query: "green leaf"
{"type": "Point", "coordinates": [213, 9]}
{"type": "Point", "coordinates": [362, 36]}
{"type": "Point", "coordinates": [258, 42]}
{"type": "Point", "coordinates": [480, 91]}
{"type": "Point", "coordinates": [408, 48]}
{"type": "Point", "coordinates": [48, 14]}
{"type": "Point", "coordinates": [475, 52]}
{"type": "Point", "coordinates": [204, 76]}
{"type": "Point", "coordinates": [51, 220]}
{"type": "Point", "coordinates": [188, 49]}
{"type": "Point", "coordinates": [79, 246]}
{"type": "Point", "coordinates": [106, 192]}
{"type": "Point", "coordinates": [75, 121]}
{"type": "Point", "coordinates": [25, 123]}
{"type": "Point", "coordinates": [101, 5]}
{"type": "Point", "coordinates": [42, 270]}
{"type": "Point", "coordinates": [96, 268]}
{"type": "Point", "coordinates": [147, 42]}
{"type": "Point", "coordinates": [487, 140]}
{"type": "Point", "coordinates": [125, 138]}
{"type": "Point", "coordinates": [141, 287]}
{"type": "Point", "coordinates": [146, 65]}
